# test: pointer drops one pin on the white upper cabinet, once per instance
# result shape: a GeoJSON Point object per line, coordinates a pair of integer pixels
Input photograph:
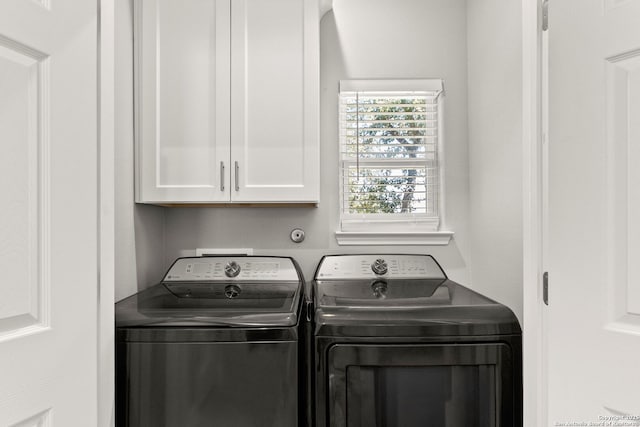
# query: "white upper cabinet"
{"type": "Point", "coordinates": [274, 103]}
{"type": "Point", "coordinates": [182, 100]}
{"type": "Point", "coordinates": [227, 101]}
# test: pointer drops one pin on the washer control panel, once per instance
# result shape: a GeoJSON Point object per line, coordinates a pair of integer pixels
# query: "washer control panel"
{"type": "Point", "coordinates": [258, 269]}
{"type": "Point", "coordinates": [391, 266]}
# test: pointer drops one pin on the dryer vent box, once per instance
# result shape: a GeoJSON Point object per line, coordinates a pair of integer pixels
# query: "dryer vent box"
{"type": "Point", "coordinates": [223, 251]}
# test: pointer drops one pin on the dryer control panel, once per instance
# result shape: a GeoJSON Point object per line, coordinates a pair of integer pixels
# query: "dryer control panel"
{"type": "Point", "coordinates": [390, 266]}
{"type": "Point", "coordinates": [253, 268]}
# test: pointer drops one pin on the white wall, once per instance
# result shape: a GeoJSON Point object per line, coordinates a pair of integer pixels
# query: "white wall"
{"type": "Point", "coordinates": [139, 229]}
{"type": "Point", "coordinates": [474, 45]}
{"type": "Point", "coordinates": [413, 38]}
{"type": "Point", "coordinates": [495, 149]}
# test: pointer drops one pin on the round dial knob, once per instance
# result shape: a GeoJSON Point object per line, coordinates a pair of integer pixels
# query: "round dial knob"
{"type": "Point", "coordinates": [231, 291]}
{"type": "Point", "coordinates": [379, 267]}
{"type": "Point", "coordinates": [379, 289]}
{"type": "Point", "coordinates": [232, 269]}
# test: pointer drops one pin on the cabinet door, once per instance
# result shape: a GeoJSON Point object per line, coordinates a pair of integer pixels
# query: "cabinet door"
{"type": "Point", "coordinates": [182, 100]}
{"type": "Point", "coordinates": [274, 108]}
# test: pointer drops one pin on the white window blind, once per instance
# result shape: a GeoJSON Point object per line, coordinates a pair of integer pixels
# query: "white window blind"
{"type": "Point", "coordinates": [389, 154]}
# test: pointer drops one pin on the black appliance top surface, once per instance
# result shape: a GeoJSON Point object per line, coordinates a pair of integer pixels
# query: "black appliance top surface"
{"type": "Point", "coordinates": [399, 302]}
{"type": "Point", "coordinates": [267, 295]}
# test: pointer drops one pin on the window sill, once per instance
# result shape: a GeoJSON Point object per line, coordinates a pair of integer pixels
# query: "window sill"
{"type": "Point", "coordinates": [358, 238]}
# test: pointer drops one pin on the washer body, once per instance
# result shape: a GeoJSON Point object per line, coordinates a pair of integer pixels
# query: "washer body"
{"type": "Point", "coordinates": [211, 345]}
{"type": "Point", "coordinates": [397, 344]}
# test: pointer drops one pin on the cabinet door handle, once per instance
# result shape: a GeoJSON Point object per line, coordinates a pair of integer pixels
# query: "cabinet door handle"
{"type": "Point", "coordinates": [237, 177]}
{"type": "Point", "coordinates": [221, 176]}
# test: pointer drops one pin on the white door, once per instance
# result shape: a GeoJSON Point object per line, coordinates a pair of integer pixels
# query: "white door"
{"type": "Point", "coordinates": [593, 255]}
{"type": "Point", "coordinates": [48, 213]}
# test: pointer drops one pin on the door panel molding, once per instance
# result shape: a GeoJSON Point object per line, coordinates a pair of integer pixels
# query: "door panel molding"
{"type": "Point", "coordinates": [43, 419]}
{"type": "Point", "coordinates": [623, 105]}
{"type": "Point", "coordinates": [24, 114]}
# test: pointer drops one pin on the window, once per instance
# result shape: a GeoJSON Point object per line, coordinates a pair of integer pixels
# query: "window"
{"type": "Point", "coordinates": [390, 156]}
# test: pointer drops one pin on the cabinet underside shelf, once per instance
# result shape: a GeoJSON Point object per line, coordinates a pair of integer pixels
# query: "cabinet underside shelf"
{"type": "Point", "coordinates": [236, 205]}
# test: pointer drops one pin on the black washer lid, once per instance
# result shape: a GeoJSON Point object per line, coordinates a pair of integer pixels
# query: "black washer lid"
{"type": "Point", "coordinates": [382, 293]}
{"type": "Point", "coordinates": [261, 296]}
{"type": "Point", "coordinates": [413, 298]}
{"type": "Point", "coordinates": [451, 310]}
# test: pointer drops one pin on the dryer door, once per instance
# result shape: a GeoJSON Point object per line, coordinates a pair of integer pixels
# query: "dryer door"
{"type": "Point", "coordinates": [448, 385]}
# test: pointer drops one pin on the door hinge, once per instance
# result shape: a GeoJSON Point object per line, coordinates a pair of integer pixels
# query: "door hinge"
{"type": "Point", "coordinates": [545, 288]}
{"type": "Point", "coordinates": [545, 15]}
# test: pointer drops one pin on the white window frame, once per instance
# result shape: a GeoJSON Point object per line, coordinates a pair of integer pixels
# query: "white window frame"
{"type": "Point", "coordinates": [396, 229]}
